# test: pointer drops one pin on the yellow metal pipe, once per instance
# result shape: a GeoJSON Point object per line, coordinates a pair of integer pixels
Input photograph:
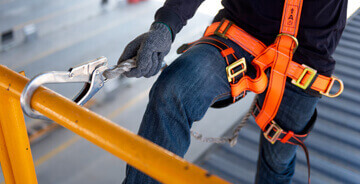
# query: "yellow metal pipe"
{"type": "Point", "coordinates": [142, 154]}
{"type": "Point", "coordinates": [5, 160]}
{"type": "Point", "coordinates": [16, 138]}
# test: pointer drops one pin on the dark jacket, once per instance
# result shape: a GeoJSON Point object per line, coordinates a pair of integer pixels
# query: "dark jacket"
{"type": "Point", "coordinates": [321, 24]}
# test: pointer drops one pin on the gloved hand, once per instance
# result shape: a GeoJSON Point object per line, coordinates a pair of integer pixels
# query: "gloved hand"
{"type": "Point", "coordinates": [148, 50]}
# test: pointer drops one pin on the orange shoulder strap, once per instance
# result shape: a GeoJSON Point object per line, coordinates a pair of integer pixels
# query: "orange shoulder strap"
{"type": "Point", "coordinates": [291, 17]}
{"type": "Point", "coordinates": [285, 45]}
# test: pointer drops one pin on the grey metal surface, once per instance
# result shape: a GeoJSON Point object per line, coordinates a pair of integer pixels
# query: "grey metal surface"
{"type": "Point", "coordinates": [42, 17]}
{"type": "Point", "coordinates": [334, 144]}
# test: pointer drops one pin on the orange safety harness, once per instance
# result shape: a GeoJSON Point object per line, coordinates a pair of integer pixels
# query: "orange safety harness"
{"type": "Point", "coordinates": [278, 57]}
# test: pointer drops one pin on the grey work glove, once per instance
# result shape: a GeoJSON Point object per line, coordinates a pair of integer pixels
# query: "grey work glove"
{"type": "Point", "coordinates": [149, 50]}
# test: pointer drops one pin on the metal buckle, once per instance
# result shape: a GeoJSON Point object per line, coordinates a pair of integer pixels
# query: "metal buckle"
{"type": "Point", "coordinates": [292, 37]}
{"type": "Point", "coordinates": [90, 73]}
{"type": "Point", "coordinates": [341, 89]}
{"type": "Point", "coordinates": [277, 134]}
{"type": "Point", "coordinates": [307, 83]}
{"type": "Point", "coordinates": [232, 66]}
{"type": "Point", "coordinates": [222, 35]}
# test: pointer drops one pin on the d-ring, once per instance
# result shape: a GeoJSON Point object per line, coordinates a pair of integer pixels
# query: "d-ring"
{"type": "Point", "coordinates": [292, 37]}
{"type": "Point", "coordinates": [341, 88]}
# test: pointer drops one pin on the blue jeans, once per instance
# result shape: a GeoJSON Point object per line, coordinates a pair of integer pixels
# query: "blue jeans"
{"type": "Point", "coordinates": [189, 86]}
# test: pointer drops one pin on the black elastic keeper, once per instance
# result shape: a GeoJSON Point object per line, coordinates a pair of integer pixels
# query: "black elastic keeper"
{"type": "Point", "coordinates": [182, 48]}
{"type": "Point", "coordinates": [310, 91]}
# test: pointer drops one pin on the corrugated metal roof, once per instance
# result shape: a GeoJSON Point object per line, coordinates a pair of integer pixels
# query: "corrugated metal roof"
{"type": "Point", "coordinates": [334, 144]}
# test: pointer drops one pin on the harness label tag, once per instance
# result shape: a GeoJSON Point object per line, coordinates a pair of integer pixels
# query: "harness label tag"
{"type": "Point", "coordinates": [291, 16]}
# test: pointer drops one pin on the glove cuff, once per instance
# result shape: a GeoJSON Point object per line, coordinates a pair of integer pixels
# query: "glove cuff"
{"type": "Point", "coordinates": [163, 28]}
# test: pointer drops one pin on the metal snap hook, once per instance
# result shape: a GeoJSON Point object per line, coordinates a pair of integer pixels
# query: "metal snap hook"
{"type": "Point", "coordinates": [90, 73]}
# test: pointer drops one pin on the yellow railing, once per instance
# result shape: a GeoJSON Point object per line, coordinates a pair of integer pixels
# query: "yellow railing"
{"type": "Point", "coordinates": [15, 155]}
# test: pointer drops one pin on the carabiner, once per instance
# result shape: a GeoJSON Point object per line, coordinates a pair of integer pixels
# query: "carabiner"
{"type": "Point", "coordinates": [90, 73]}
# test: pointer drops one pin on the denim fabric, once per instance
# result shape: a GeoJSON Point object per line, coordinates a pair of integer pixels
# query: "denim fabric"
{"type": "Point", "coordinates": [187, 88]}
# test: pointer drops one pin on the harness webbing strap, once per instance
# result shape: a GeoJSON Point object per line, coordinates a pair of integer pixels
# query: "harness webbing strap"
{"type": "Point", "coordinates": [285, 46]}
{"type": "Point", "coordinates": [238, 35]}
{"type": "Point", "coordinates": [278, 56]}
{"type": "Point", "coordinates": [264, 59]}
{"type": "Point", "coordinates": [227, 52]}
{"type": "Point", "coordinates": [291, 17]}
{"type": "Point", "coordinates": [277, 82]}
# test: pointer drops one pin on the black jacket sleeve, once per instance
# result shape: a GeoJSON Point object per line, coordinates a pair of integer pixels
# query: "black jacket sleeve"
{"type": "Point", "coordinates": [175, 13]}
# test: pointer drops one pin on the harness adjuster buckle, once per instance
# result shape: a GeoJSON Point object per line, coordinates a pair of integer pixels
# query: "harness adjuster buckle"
{"type": "Point", "coordinates": [217, 31]}
{"type": "Point", "coordinates": [241, 62]}
{"type": "Point", "coordinates": [306, 84]}
{"type": "Point", "coordinates": [341, 88]}
{"type": "Point", "coordinates": [273, 127]}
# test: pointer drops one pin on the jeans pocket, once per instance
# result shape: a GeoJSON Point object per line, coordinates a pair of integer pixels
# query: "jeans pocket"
{"type": "Point", "coordinates": [222, 100]}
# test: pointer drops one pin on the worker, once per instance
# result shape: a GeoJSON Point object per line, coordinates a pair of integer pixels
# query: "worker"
{"type": "Point", "coordinates": [197, 79]}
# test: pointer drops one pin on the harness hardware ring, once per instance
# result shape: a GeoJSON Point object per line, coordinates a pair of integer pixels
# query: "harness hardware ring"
{"type": "Point", "coordinates": [292, 37]}
{"type": "Point", "coordinates": [240, 62]}
{"type": "Point", "coordinates": [223, 34]}
{"type": "Point", "coordinates": [273, 127]}
{"type": "Point", "coordinates": [341, 89]}
{"type": "Point", "coordinates": [89, 73]}
{"type": "Point", "coordinates": [306, 84]}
